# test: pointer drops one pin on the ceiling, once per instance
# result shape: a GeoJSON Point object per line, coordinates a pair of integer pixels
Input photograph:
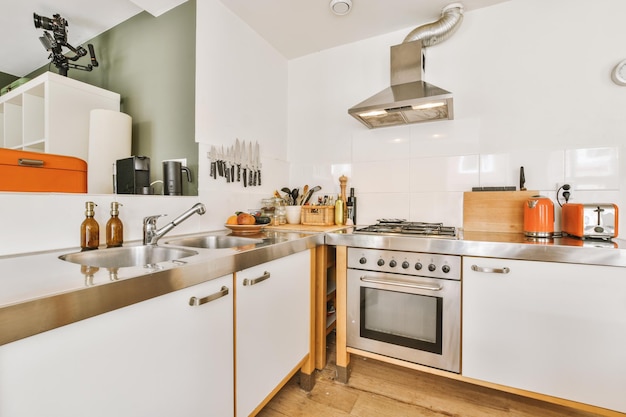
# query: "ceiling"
{"type": "Point", "coordinates": [294, 27]}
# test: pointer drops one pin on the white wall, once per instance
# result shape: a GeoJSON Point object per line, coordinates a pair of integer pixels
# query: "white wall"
{"type": "Point", "coordinates": [532, 88]}
{"type": "Point", "coordinates": [34, 222]}
{"type": "Point", "coordinates": [241, 92]}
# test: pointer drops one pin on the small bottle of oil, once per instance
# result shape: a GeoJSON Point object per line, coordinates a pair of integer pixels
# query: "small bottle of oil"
{"type": "Point", "coordinates": [89, 229]}
{"type": "Point", "coordinates": [339, 211]}
{"type": "Point", "coordinates": [114, 227]}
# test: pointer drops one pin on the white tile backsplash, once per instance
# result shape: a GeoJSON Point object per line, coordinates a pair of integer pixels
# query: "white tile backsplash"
{"type": "Point", "coordinates": [44, 221]}
{"type": "Point", "coordinates": [543, 169]}
{"type": "Point", "coordinates": [446, 173]}
{"type": "Point", "coordinates": [455, 137]}
{"type": "Point", "coordinates": [374, 206]}
{"type": "Point", "coordinates": [593, 168]}
{"type": "Point", "coordinates": [382, 176]}
{"type": "Point", "coordinates": [437, 207]}
{"type": "Point", "coordinates": [381, 144]}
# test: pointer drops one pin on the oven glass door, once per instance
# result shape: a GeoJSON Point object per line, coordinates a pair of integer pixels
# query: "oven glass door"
{"type": "Point", "coordinates": [403, 319]}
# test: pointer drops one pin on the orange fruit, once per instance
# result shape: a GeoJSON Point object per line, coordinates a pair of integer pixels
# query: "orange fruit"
{"type": "Point", "coordinates": [232, 219]}
{"type": "Point", "coordinates": [245, 218]}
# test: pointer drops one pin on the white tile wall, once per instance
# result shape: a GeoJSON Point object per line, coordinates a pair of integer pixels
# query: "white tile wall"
{"type": "Point", "coordinates": [37, 222]}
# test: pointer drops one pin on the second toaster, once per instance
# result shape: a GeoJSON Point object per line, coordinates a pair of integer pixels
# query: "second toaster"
{"type": "Point", "coordinates": [590, 220]}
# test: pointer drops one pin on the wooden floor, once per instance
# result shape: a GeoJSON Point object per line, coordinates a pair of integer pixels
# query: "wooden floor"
{"type": "Point", "coordinates": [377, 389]}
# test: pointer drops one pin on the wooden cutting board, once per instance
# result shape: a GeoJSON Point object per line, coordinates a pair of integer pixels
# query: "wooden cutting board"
{"type": "Point", "coordinates": [495, 211]}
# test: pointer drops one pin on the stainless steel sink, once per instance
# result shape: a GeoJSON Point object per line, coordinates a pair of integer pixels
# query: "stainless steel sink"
{"type": "Point", "coordinates": [127, 256]}
{"type": "Point", "coordinates": [215, 241]}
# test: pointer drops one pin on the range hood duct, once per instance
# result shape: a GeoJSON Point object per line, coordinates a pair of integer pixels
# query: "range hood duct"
{"type": "Point", "coordinates": [409, 99]}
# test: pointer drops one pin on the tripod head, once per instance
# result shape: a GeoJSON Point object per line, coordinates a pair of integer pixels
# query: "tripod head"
{"type": "Point", "coordinates": [55, 42]}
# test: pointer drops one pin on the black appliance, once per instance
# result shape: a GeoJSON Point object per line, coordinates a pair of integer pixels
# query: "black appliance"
{"type": "Point", "coordinates": [133, 175]}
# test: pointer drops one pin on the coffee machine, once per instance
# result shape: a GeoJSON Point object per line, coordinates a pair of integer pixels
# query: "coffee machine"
{"type": "Point", "coordinates": [132, 175]}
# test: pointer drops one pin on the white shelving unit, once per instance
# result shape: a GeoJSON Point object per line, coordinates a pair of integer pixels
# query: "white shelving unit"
{"type": "Point", "coordinates": [50, 114]}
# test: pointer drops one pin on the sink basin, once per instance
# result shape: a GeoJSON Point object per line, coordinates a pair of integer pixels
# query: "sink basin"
{"type": "Point", "coordinates": [215, 241]}
{"type": "Point", "coordinates": [127, 256]}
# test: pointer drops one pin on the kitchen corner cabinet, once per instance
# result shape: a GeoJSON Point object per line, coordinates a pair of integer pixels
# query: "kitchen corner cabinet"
{"type": "Point", "coordinates": [161, 357]}
{"type": "Point", "coordinates": [50, 114]}
{"type": "Point", "coordinates": [550, 328]}
{"type": "Point", "coordinates": [273, 321]}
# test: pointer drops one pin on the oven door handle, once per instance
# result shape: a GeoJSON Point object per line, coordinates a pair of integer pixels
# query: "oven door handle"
{"type": "Point", "coordinates": [398, 283]}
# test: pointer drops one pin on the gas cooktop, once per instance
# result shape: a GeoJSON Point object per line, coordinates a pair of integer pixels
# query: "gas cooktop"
{"type": "Point", "coordinates": [405, 228]}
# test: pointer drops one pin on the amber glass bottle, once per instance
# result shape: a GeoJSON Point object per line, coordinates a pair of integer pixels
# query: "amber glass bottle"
{"type": "Point", "coordinates": [114, 227]}
{"type": "Point", "coordinates": [89, 229]}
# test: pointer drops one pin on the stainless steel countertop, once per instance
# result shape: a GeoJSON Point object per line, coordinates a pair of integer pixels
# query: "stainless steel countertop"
{"type": "Point", "coordinates": [495, 245]}
{"type": "Point", "coordinates": [39, 292]}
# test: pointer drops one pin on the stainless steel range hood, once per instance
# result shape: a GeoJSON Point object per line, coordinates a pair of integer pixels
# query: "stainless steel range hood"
{"type": "Point", "coordinates": [410, 99]}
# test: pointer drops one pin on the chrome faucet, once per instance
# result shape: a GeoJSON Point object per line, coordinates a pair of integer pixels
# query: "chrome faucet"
{"type": "Point", "coordinates": [151, 234]}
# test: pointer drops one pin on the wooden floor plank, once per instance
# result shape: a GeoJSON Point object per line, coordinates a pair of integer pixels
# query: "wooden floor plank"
{"type": "Point", "coordinates": [378, 389]}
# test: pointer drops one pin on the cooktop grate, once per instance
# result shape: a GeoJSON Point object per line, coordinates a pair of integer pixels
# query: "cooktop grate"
{"type": "Point", "coordinates": [403, 227]}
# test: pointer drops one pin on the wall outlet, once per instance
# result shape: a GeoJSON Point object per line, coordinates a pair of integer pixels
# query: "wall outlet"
{"type": "Point", "coordinates": [560, 184]}
{"type": "Point", "coordinates": [564, 195]}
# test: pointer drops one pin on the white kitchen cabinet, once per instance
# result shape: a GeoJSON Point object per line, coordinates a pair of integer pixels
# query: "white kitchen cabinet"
{"type": "Point", "coordinates": [551, 328]}
{"type": "Point", "coordinates": [161, 357]}
{"type": "Point", "coordinates": [272, 326]}
{"type": "Point", "coordinates": [50, 114]}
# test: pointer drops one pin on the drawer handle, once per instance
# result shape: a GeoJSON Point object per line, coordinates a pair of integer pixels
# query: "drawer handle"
{"type": "Point", "coordinates": [23, 162]}
{"type": "Point", "coordinates": [195, 301]}
{"type": "Point", "coordinates": [247, 282]}
{"type": "Point", "coordinates": [489, 270]}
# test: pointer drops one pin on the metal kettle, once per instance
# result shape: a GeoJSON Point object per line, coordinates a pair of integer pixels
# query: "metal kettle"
{"type": "Point", "coordinates": [172, 177]}
{"type": "Point", "coordinates": [539, 217]}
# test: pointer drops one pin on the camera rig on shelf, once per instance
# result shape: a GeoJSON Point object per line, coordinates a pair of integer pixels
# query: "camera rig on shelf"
{"type": "Point", "coordinates": [55, 43]}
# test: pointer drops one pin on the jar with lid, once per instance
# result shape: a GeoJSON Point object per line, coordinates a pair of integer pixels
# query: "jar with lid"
{"type": "Point", "coordinates": [267, 207]}
{"type": "Point", "coordinates": [280, 211]}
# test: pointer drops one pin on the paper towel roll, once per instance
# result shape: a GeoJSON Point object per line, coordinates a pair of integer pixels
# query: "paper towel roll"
{"type": "Point", "coordinates": [109, 140]}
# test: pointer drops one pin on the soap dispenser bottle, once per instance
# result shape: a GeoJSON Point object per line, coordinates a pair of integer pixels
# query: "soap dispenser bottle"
{"type": "Point", "coordinates": [114, 227]}
{"type": "Point", "coordinates": [89, 229]}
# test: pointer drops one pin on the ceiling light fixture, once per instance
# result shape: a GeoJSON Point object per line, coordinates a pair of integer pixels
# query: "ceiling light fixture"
{"type": "Point", "coordinates": [341, 7]}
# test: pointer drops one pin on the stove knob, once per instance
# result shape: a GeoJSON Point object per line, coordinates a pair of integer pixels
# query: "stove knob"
{"type": "Point", "coordinates": [362, 260]}
{"type": "Point", "coordinates": [381, 262]}
{"type": "Point", "coordinates": [445, 268]}
{"type": "Point", "coordinates": [393, 263]}
{"type": "Point", "coordinates": [405, 264]}
{"type": "Point", "coordinates": [432, 267]}
{"type": "Point", "coordinates": [418, 266]}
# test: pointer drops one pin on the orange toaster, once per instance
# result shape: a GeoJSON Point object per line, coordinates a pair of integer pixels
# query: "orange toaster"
{"type": "Point", "coordinates": [595, 221]}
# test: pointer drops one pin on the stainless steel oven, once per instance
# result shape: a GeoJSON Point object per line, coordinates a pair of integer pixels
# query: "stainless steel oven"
{"type": "Point", "coordinates": [405, 305]}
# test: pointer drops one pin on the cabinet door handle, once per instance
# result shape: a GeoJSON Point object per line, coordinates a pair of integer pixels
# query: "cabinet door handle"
{"type": "Point", "coordinates": [195, 301]}
{"type": "Point", "coordinates": [398, 283]}
{"type": "Point", "coordinates": [247, 282]}
{"type": "Point", "coordinates": [489, 270]}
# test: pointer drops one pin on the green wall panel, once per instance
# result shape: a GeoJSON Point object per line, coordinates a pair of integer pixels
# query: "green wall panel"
{"type": "Point", "coordinates": [150, 62]}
